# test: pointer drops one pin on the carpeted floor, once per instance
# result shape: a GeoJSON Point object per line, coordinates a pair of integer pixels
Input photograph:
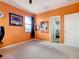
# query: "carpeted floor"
{"type": "Point", "coordinates": [39, 50]}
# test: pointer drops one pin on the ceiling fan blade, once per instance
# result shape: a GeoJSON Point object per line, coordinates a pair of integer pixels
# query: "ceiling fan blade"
{"type": "Point", "coordinates": [30, 1]}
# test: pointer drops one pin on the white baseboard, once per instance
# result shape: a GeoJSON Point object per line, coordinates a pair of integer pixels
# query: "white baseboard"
{"type": "Point", "coordinates": [15, 44]}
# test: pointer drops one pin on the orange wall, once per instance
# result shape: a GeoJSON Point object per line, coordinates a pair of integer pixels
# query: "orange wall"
{"type": "Point", "coordinates": [13, 34]}
{"type": "Point", "coordinates": [60, 11]}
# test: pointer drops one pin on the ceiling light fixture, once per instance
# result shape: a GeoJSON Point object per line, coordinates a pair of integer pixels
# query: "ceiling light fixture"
{"type": "Point", "coordinates": [30, 1]}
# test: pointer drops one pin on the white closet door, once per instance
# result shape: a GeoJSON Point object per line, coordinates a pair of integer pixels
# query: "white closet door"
{"type": "Point", "coordinates": [77, 30]}
{"type": "Point", "coordinates": [72, 30]}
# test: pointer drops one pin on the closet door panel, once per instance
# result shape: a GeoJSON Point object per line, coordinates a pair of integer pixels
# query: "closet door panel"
{"type": "Point", "coordinates": [70, 30]}
{"type": "Point", "coordinates": [77, 30]}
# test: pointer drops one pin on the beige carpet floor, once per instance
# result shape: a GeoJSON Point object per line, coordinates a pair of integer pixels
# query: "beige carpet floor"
{"type": "Point", "coordinates": [39, 50]}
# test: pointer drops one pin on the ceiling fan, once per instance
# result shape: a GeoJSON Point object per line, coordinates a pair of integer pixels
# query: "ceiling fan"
{"type": "Point", "coordinates": [30, 1]}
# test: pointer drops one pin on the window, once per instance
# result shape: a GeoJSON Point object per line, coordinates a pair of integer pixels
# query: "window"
{"type": "Point", "coordinates": [28, 23]}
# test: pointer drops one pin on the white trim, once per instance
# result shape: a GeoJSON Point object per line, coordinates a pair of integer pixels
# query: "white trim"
{"type": "Point", "coordinates": [15, 44]}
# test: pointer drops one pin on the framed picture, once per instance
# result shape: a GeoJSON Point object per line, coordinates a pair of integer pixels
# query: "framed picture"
{"type": "Point", "coordinates": [15, 20]}
{"type": "Point", "coordinates": [44, 26]}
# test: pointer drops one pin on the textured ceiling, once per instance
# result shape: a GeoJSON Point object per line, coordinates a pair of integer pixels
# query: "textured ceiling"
{"type": "Point", "coordinates": [39, 6]}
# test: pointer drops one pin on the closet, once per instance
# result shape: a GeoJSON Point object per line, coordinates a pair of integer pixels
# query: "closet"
{"type": "Point", "coordinates": [71, 29]}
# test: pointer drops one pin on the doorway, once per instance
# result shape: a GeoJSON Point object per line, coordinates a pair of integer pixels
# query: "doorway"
{"type": "Point", "coordinates": [55, 29]}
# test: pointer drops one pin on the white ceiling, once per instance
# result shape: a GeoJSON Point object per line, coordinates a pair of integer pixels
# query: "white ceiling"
{"type": "Point", "coordinates": [39, 6]}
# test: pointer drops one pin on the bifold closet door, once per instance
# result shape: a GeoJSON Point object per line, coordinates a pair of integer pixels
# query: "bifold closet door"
{"type": "Point", "coordinates": [77, 30]}
{"type": "Point", "coordinates": [71, 29]}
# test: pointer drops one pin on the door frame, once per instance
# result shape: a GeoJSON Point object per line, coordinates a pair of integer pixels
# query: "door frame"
{"type": "Point", "coordinates": [51, 18]}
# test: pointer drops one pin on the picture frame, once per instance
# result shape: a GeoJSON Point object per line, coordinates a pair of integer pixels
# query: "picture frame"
{"type": "Point", "coordinates": [44, 26]}
{"type": "Point", "coordinates": [15, 20]}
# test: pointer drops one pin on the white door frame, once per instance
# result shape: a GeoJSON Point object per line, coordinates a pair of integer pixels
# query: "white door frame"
{"type": "Point", "coordinates": [51, 18]}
